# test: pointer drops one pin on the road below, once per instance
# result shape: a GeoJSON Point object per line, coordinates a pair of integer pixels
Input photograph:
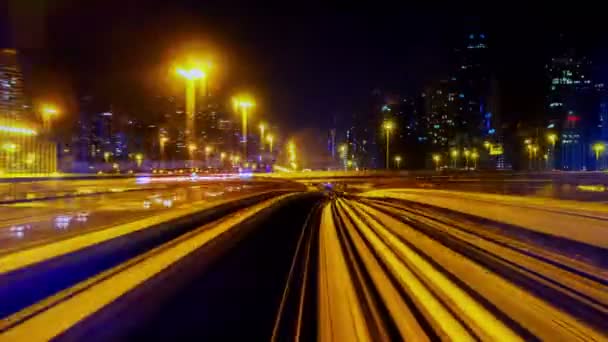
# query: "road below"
{"type": "Point", "coordinates": [329, 267]}
{"type": "Point", "coordinates": [33, 223]}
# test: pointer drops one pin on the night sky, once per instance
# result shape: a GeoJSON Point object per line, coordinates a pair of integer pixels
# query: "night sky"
{"type": "Point", "coordinates": [303, 64]}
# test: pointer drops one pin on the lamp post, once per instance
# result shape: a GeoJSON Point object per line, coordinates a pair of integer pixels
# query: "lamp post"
{"type": "Point", "coordinates": [552, 139]}
{"type": "Point", "coordinates": [262, 127]}
{"type": "Point", "coordinates": [436, 159]}
{"type": "Point", "coordinates": [454, 155]}
{"type": "Point", "coordinates": [598, 148]}
{"type": "Point", "coordinates": [474, 156]}
{"type": "Point", "coordinates": [139, 158]}
{"type": "Point", "coordinates": [467, 153]}
{"type": "Point", "coordinates": [243, 104]}
{"type": "Point", "coordinates": [191, 150]}
{"type": "Point", "coordinates": [191, 75]}
{"type": "Point", "coordinates": [388, 126]}
{"type": "Point", "coordinates": [270, 140]}
{"type": "Point", "coordinates": [208, 150]}
{"type": "Point", "coordinates": [398, 161]}
{"type": "Point", "coordinates": [48, 113]}
{"type": "Point", "coordinates": [291, 148]}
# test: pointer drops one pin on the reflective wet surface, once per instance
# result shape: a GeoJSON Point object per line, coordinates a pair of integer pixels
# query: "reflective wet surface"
{"type": "Point", "coordinates": [23, 224]}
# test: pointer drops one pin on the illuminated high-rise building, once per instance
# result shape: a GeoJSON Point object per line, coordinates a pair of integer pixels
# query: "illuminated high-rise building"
{"type": "Point", "coordinates": [23, 150]}
{"type": "Point", "coordinates": [573, 104]}
{"type": "Point", "coordinates": [12, 97]}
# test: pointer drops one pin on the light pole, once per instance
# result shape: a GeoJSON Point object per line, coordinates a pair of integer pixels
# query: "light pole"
{"type": "Point", "coordinates": [454, 155]}
{"type": "Point", "coordinates": [243, 104]}
{"type": "Point", "coordinates": [139, 158]}
{"type": "Point", "coordinates": [398, 161]}
{"type": "Point", "coordinates": [388, 126]}
{"type": "Point", "coordinates": [48, 112]}
{"type": "Point", "coordinates": [163, 141]}
{"type": "Point", "coordinates": [291, 148]}
{"type": "Point", "coordinates": [191, 75]}
{"type": "Point", "coordinates": [552, 139]}
{"type": "Point", "coordinates": [598, 148]}
{"type": "Point", "coordinates": [467, 153]}
{"type": "Point", "coordinates": [208, 150]}
{"type": "Point", "coordinates": [270, 140]}
{"type": "Point", "coordinates": [475, 156]}
{"type": "Point", "coordinates": [436, 159]}
{"type": "Point", "coordinates": [191, 150]}
{"type": "Point", "coordinates": [262, 128]}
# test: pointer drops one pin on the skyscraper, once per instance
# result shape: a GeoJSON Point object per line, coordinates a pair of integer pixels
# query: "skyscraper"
{"type": "Point", "coordinates": [573, 104]}
{"type": "Point", "coordinates": [12, 98]}
{"type": "Point", "coordinates": [472, 90]}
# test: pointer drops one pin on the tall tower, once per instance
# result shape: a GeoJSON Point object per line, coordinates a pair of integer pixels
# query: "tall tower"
{"type": "Point", "coordinates": [12, 98]}
{"type": "Point", "coordinates": [472, 90]}
{"type": "Point", "coordinates": [572, 107]}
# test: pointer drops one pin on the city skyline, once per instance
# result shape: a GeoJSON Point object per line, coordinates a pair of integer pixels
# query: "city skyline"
{"type": "Point", "coordinates": [505, 91]}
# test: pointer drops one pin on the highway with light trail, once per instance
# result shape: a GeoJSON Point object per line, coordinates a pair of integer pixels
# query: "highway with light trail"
{"type": "Point", "coordinates": [275, 261]}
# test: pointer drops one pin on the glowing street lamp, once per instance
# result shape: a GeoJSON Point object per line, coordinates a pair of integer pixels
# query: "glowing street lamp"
{"type": "Point", "coordinates": [552, 139]}
{"type": "Point", "coordinates": [467, 153]}
{"type": "Point", "coordinates": [243, 104]}
{"type": "Point", "coordinates": [106, 156]}
{"type": "Point", "coordinates": [163, 141]}
{"type": "Point", "coordinates": [270, 140]}
{"type": "Point", "coordinates": [191, 75]}
{"type": "Point", "coordinates": [222, 156]}
{"type": "Point", "coordinates": [398, 161]}
{"type": "Point", "coordinates": [388, 127]}
{"type": "Point", "coordinates": [208, 150]}
{"type": "Point", "coordinates": [474, 156]}
{"type": "Point", "coordinates": [291, 148]}
{"type": "Point", "coordinates": [262, 127]}
{"type": "Point", "coordinates": [139, 158]}
{"type": "Point", "coordinates": [48, 113]}
{"type": "Point", "coordinates": [436, 159]}
{"type": "Point", "coordinates": [454, 155]}
{"type": "Point", "coordinates": [598, 148]}
{"type": "Point", "coordinates": [487, 145]}
{"type": "Point", "coordinates": [191, 149]}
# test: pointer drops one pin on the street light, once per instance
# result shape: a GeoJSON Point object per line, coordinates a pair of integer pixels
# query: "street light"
{"type": "Point", "coordinates": [163, 141]}
{"type": "Point", "coordinates": [474, 156]}
{"type": "Point", "coordinates": [388, 126]}
{"type": "Point", "coordinates": [262, 128]}
{"type": "Point", "coordinates": [191, 149]}
{"type": "Point", "coordinates": [454, 155]}
{"type": "Point", "coordinates": [190, 75]}
{"type": "Point", "coordinates": [243, 104]}
{"type": "Point", "coordinates": [222, 156]}
{"type": "Point", "coordinates": [139, 158]}
{"type": "Point", "coordinates": [208, 150]}
{"type": "Point", "coordinates": [291, 148]}
{"type": "Point", "coordinates": [398, 161]}
{"type": "Point", "coordinates": [467, 153]}
{"type": "Point", "coordinates": [487, 145]}
{"type": "Point", "coordinates": [48, 112]}
{"type": "Point", "coordinates": [270, 140]}
{"type": "Point", "coordinates": [598, 148]}
{"type": "Point", "coordinates": [436, 159]}
{"type": "Point", "coordinates": [552, 139]}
